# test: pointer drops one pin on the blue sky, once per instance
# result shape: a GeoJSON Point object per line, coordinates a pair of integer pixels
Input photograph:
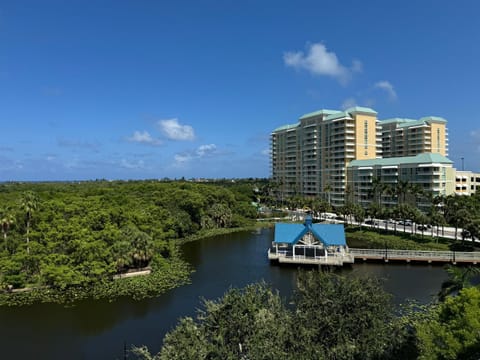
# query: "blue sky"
{"type": "Point", "coordinates": [151, 89]}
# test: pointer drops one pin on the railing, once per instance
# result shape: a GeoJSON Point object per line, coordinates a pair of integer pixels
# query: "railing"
{"type": "Point", "coordinates": [287, 256]}
{"type": "Point", "coordinates": [417, 255]}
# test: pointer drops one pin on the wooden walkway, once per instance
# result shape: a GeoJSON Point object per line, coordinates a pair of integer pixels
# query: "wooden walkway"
{"type": "Point", "coordinates": [387, 255]}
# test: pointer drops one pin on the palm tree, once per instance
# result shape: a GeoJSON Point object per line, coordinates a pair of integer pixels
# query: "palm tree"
{"type": "Point", "coordinates": [377, 190]}
{"type": "Point", "coordinates": [328, 189]}
{"type": "Point", "coordinates": [422, 219]}
{"type": "Point", "coordinates": [458, 278]}
{"type": "Point", "coordinates": [401, 190]}
{"type": "Point", "coordinates": [6, 221]}
{"type": "Point", "coordinates": [414, 192]}
{"type": "Point", "coordinates": [221, 215]}
{"type": "Point", "coordinates": [28, 203]}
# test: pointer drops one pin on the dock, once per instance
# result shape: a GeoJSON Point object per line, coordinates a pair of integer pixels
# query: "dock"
{"type": "Point", "coordinates": [325, 244]}
{"type": "Point", "coordinates": [386, 255]}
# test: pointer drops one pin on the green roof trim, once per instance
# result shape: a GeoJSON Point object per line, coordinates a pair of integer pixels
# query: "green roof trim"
{"type": "Point", "coordinates": [434, 118]}
{"type": "Point", "coordinates": [424, 158]}
{"type": "Point", "coordinates": [360, 109]}
{"type": "Point", "coordinates": [412, 122]}
{"type": "Point", "coordinates": [338, 115]}
{"type": "Point", "coordinates": [395, 120]}
{"type": "Point", "coordinates": [319, 112]}
{"type": "Point", "coordinates": [286, 127]}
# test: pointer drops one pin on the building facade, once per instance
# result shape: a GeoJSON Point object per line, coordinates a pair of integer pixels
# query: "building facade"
{"type": "Point", "coordinates": [337, 154]}
{"type": "Point", "coordinates": [310, 157]}
{"type": "Point", "coordinates": [407, 137]}
{"type": "Point", "coordinates": [467, 182]}
{"type": "Point", "coordinates": [428, 173]}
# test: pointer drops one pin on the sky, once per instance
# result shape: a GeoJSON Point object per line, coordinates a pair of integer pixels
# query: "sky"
{"type": "Point", "coordinates": [144, 89]}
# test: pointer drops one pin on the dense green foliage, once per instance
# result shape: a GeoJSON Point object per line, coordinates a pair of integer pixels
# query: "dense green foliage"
{"type": "Point", "coordinates": [451, 330]}
{"type": "Point", "coordinates": [332, 318]}
{"type": "Point", "coordinates": [73, 237]}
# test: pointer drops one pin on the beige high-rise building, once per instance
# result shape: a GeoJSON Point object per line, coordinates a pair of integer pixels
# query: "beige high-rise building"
{"type": "Point", "coordinates": [407, 137]}
{"type": "Point", "coordinates": [311, 157]}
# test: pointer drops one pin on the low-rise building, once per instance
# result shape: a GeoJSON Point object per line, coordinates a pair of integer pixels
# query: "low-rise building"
{"type": "Point", "coordinates": [466, 182]}
{"type": "Point", "coordinates": [433, 174]}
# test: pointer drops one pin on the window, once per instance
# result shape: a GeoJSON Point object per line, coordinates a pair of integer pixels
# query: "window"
{"type": "Point", "coordinates": [365, 136]}
{"type": "Point", "coordinates": [438, 140]}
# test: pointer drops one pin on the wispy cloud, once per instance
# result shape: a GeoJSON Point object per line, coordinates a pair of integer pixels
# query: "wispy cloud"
{"type": "Point", "coordinates": [9, 164]}
{"type": "Point", "coordinates": [144, 137]}
{"type": "Point", "coordinates": [173, 130]}
{"type": "Point", "coordinates": [203, 151]}
{"type": "Point", "coordinates": [78, 144]}
{"type": "Point", "coordinates": [388, 88]}
{"type": "Point", "coordinates": [182, 158]}
{"type": "Point", "coordinates": [475, 134]}
{"type": "Point", "coordinates": [319, 61]}
{"type": "Point", "coordinates": [348, 103]}
{"type": "Point", "coordinates": [132, 165]}
{"type": "Point", "coordinates": [206, 150]}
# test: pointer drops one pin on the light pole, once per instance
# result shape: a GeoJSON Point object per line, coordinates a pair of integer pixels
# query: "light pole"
{"type": "Point", "coordinates": [462, 163]}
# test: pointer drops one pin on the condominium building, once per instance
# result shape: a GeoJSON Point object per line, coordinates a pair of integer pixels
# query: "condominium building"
{"type": "Point", "coordinates": [431, 173]}
{"type": "Point", "coordinates": [466, 182]}
{"type": "Point", "coordinates": [311, 156]}
{"type": "Point", "coordinates": [408, 137]}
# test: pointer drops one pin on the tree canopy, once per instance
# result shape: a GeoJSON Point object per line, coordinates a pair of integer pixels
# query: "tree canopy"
{"type": "Point", "coordinates": [65, 235]}
{"type": "Point", "coordinates": [332, 317]}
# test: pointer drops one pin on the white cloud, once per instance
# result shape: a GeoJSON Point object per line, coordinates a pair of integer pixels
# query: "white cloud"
{"type": "Point", "coordinates": [348, 103]}
{"type": "Point", "coordinates": [202, 151]}
{"type": "Point", "coordinates": [175, 131]}
{"type": "Point", "coordinates": [144, 137]}
{"type": "Point", "coordinates": [265, 152]}
{"type": "Point", "coordinates": [388, 88]}
{"type": "Point", "coordinates": [182, 158]}
{"type": "Point", "coordinates": [205, 150]}
{"type": "Point", "coordinates": [319, 61]}
{"type": "Point", "coordinates": [132, 164]}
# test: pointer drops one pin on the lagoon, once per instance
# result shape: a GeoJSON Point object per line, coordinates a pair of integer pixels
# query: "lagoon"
{"type": "Point", "coordinates": [99, 329]}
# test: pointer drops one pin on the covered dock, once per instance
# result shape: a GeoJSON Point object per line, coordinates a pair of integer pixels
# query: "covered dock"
{"type": "Point", "coordinates": [308, 243]}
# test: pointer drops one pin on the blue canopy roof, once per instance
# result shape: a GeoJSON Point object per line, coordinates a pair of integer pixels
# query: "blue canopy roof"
{"type": "Point", "coordinates": [328, 234]}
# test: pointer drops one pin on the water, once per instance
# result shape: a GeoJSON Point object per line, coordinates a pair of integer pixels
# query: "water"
{"type": "Point", "coordinates": [99, 329]}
